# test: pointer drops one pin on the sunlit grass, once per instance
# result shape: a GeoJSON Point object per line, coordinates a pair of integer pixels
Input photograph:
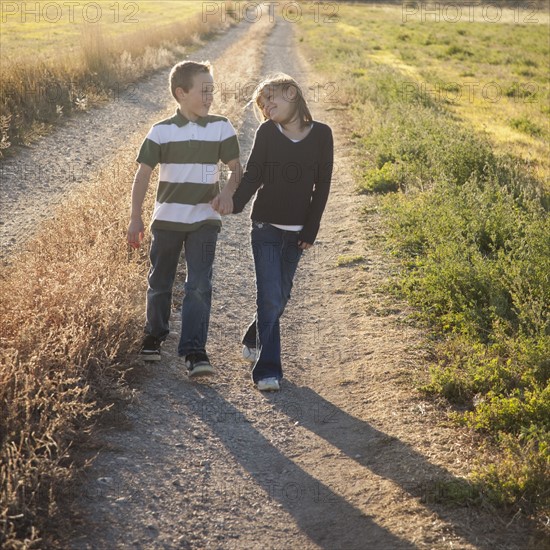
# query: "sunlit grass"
{"type": "Point", "coordinates": [458, 64]}
{"type": "Point", "coordinates": [55, 69]}
{"type": "Point", "coordinates": [54, 30]}
{"type": "Point", "coordinates": [450, 122]}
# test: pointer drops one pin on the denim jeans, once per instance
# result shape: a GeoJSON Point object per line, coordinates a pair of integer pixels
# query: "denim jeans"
{"type": "Point", "coordinates": [276, 256]}
{"type": "Point", "coordinates": [166, 247]}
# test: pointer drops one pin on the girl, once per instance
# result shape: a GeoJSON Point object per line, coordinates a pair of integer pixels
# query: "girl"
{"type": "Point", "coordinates": [290, 168]}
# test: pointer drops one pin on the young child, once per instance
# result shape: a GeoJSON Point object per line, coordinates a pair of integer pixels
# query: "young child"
{"type": "Point", "coordinates": [290, 167]}
{"type": "Point", "coordinates": [188, 147]}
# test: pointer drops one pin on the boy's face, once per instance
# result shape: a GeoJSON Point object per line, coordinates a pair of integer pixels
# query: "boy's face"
{"type": "Point", "coordinates": [197, 101]}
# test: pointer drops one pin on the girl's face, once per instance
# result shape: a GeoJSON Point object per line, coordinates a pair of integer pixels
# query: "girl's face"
{"type": "Point", "coordinates": [278, 103]}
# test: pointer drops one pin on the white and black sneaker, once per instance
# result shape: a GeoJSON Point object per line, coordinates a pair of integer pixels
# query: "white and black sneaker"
{"type": "Point", "coordinates": [150, 349]}
{"type": "Point", "coordinates": [250, 354]}
{"type": "Point", "coordinates": [198, 364]}
{"type": "Point", "coordinates": [268, 384]}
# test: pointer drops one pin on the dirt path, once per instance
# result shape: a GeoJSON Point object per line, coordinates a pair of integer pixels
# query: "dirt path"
{"type": "Point", "coordinates": [346, 456]}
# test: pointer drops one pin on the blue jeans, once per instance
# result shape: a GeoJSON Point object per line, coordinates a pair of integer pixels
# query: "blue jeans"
{"type": "Point", "coordinates": [276, 256]}
{"type": "Point", "coordinates": [166, 247]}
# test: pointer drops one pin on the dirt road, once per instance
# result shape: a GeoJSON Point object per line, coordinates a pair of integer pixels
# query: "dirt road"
{"type": "Point", "coordinates": [347, 456]}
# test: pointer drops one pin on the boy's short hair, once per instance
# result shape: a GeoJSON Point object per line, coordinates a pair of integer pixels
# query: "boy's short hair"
{"type": "Point", "coordinates": [181, 75]}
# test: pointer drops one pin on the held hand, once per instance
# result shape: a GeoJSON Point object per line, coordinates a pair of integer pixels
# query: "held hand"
{"type": "Point", "coordinates": [222, 203]}
{"type": "Point", "coordinates": [303, 245]}
{"type": "Point", "coordinates": [135, 232]}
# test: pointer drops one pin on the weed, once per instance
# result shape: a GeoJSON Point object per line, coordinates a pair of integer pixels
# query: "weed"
{"type": "Point", "coordinates": [525, 125]}
{"type": "Point", "coordinates": [349, 260]}
{"type": "Point", "coordinates": [70, 315]}
{"type": "Point", "coordinates": [36, 89]}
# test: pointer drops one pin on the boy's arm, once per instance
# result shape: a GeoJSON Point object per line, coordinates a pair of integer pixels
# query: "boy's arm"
{"type": "Point", "coordinates": [136, 228]}
{"type": "Point", "coordinates": [223, 203]}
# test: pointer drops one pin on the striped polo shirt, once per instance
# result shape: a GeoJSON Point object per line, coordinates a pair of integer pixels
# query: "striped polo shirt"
{"type": "Point", "coordinates": [188, 153]}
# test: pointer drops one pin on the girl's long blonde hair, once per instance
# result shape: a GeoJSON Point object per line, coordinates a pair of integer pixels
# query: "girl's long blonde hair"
{"type": "Point", "coordinates": [284, 82]}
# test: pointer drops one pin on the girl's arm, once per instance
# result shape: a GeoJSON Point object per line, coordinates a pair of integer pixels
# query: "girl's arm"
{"type": "Point", "coordinates": [319, 197]}
{"type": "Point", "coordinates": [253, 175]}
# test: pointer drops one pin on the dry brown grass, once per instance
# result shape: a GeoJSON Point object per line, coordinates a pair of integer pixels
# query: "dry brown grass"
{"type": "Point", "coordinates": [71, 312]}
{"type": "Point", "coordinates": [36, 93]}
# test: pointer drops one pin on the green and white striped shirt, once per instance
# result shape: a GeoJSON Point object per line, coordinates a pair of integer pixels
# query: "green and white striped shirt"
{"type": "Point", "coordinates": [188, 153]}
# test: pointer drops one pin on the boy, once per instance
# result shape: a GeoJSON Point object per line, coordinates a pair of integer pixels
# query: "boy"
{"type": "Point", "coordinates": [188, 147]}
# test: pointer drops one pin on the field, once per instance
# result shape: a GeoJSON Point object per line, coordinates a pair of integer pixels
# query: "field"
{"type": "Point", "coordinates": [52, 31]}
{"type": "Point", "coordinates": [454, 132]}
{"type": "Point", "coordinates": [501, 91]}
{"type": "Point", "coordinates": [58, 59]}
{"type": "Point", "coordinates": [447, 125]}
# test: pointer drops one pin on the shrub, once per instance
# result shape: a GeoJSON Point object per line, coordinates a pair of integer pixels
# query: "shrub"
{"type": "Point", "coordinates": [471, 230]}
{"type": "Point", "coordinates": [526, 126]}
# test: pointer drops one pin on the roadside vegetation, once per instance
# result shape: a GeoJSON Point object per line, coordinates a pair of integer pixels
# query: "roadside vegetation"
{"type": "Point", "coordinates": [70, 315]}
{"type": "Point", "coordinates": [467, 215]}
{"type": "Point", "coordinates": [94, 53]}
{"type": "Point", "coordinates": [465, 210]}
{"type": "Point", "coordinates": [72, 298]}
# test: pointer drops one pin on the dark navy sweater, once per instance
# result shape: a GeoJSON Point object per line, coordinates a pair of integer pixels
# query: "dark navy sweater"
{"type": "Point", "coordinates": [292, 180]}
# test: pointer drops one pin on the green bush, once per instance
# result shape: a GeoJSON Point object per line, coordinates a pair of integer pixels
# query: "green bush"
{"type": "Point", "coordinates": [471, 230]}
{"type": "Point", "coordinates": [521, 478]}
{"type": "Point", "coordinates": [526, 126]}
{"type": "Point", "coordinates": [380, 180]}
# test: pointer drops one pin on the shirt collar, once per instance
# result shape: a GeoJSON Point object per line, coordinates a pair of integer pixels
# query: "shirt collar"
{"type": "Point", "coordinates": [183, 121]}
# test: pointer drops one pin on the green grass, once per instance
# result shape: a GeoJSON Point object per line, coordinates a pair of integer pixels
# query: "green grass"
{"type": "Point", "coordinates": [466, 211]}
{"type": "Point", "coordinates": [524, 124]}
{"type": "Point", "coordinates": [457, 64]}
{"type": "Point", "coordinates": [344, 260]}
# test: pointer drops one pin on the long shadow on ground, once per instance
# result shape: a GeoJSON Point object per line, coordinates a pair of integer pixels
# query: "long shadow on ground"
{"type": "Point", "coordinates": [388, 457]}
{"type": "Point", "coordinates": [325, 517]}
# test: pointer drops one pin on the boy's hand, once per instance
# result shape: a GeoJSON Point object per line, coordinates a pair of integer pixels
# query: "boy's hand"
{"type": "Point", "coordinates": [303, 245]}
{"type": "Point", "coordinates": [136, 231]}
{"type": "Point", "coordinates": [222, 203]}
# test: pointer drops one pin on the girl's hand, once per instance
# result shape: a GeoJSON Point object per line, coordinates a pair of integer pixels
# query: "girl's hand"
{"type": "Point", "coordinates": [303, 245]}
{"type": "Point", "coordinates": [222, 203]}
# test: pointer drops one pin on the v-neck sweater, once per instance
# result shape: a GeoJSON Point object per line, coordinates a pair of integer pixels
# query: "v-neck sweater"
{"type": "Point", "coordinates": [291, 179]}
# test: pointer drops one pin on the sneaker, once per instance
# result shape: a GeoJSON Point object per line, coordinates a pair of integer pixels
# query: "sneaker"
{"type": "Point", "coordinates": [250, 354]}
{"type": "Point", "coordinates": [150, 349]}
{"type": "Point", "coordinates": [198, 364]}
{"type": "Point", "coordinates": [268, 384]}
